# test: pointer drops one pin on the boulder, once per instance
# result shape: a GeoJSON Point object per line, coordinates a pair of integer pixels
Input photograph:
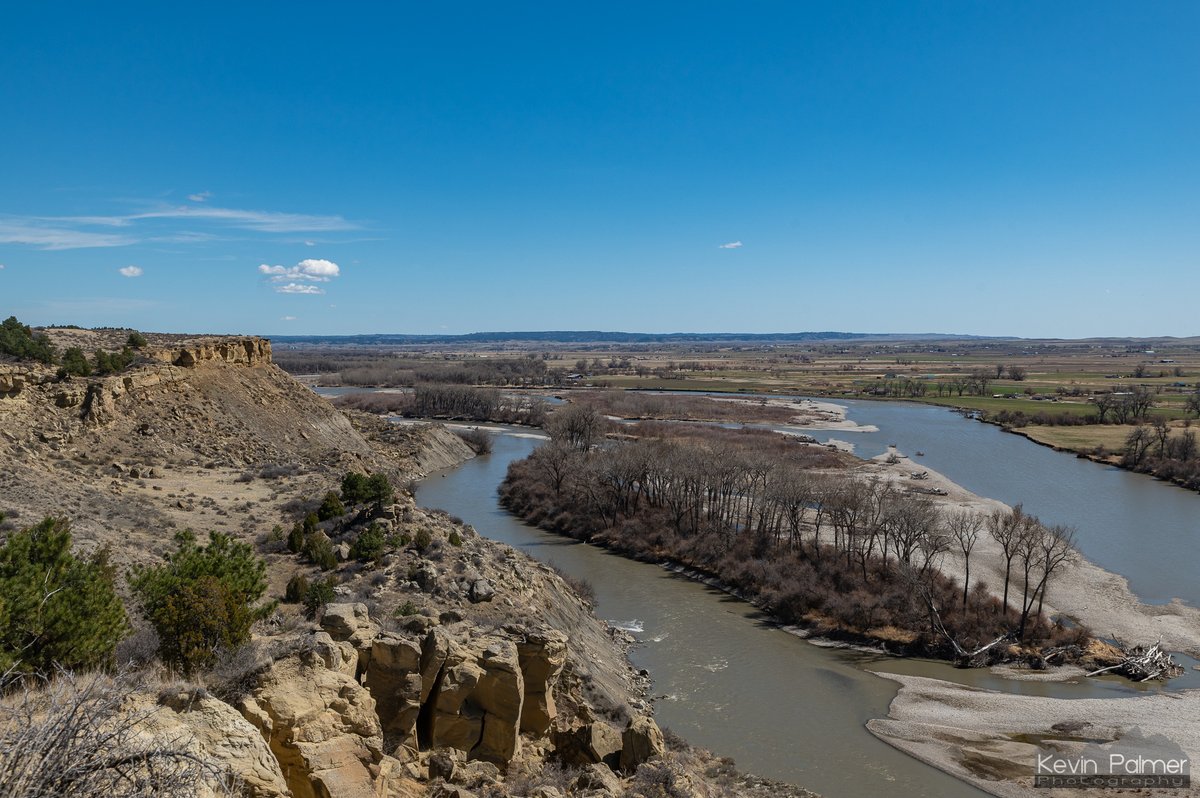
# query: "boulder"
{"type": "Point", "coordinates": [641, 742]}
{"type": "Point", "coordinates": [350, 622]}
{"type": "Point", "coordinates": [545, 791]}
{"type": "Point", "coordinates": [480, 591]}
{"type": "Point", "coordinates": [214, 732]}
{"type": "Point", "coordinates": [501, 694]}
{"type": "Point", "coordinates": [542, 656]}
{"type": "Point", "coordinates": [591, 743]}
{"type": "Point", "coordinates": [599, 778]}
{"type": "Point", "coordinates": [444, 763]}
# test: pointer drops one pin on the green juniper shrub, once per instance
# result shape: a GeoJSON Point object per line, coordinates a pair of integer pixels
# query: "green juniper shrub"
{"type": "Point", "coordinates": [370, 544]}
{"type": "Point", "coordinates": [203, 599]}
{"type": "Point", "coordinates": [331, 507]}
{"type": "Point", "coordinates": [297, 589]}
{"type": "Point", "coordinates": [379, 489]}
{"type": "Point", "coordinates": [112, 362]}
{"type": "Point", "coordinates": [354, 488]}
{"type": "Point", "coordinates": [56, 609]}
{"type": "Point", "coordinates": [310, 523]}
{"type": "Point", "coordinates": [18, 340]}
{"type": "Point", "coordinates": [406, 609]}
{"type": "Point", "coordinates": [75, 363]}
{"type": "Point", "coordinates": [295, 541]}
{"type": "Point", "coordinates": [319, 549]}
{"type": "Point", "coordinates": [423, 540]}
{"type": "Point", "coordinates": [455, 538]}
{"type": "Point", "coordinates": [318, 595]}
{"type": "Point", "coordinates": [360, 489]}
{"type": "Point", "coordinates": [136, 340]}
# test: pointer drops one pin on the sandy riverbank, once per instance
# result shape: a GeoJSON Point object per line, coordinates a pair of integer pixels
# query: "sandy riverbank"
{"type": "Point", "coordinates": [992, 739]}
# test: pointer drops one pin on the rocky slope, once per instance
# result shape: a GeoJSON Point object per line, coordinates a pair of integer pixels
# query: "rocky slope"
{"type": "Point", "coordinates": [452, 665]}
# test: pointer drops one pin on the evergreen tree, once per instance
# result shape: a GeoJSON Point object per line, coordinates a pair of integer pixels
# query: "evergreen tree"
{"type": "Point", "coordinates": [55, 608]}
{"type": "Point", "coordinates": [18, 340]}
{"type": "Point", "coordinates": [203, 598]}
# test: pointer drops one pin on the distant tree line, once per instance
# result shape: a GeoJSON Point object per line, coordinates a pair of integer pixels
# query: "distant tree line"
{"type": "Point", "coordinates": [19, 341]}
{"type": "Point", "coordinates": [457, 402]}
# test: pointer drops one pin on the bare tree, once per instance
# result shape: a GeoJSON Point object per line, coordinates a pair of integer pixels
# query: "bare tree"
{"type": "Point", "coordinates": [556, 461]}
{"type": "Point", "coordinates": [1162, 431]}
{"type": "Point", "coordinates": [1057, 549]}
{"type": "Point", "coordinates": [578, 426]}
{"type": "Point", "coordinates": [964, 527]}
{"type": "Point", "coordinates": [1104, 403]}
{"type": "Point", "coordinates": [1005, 526]}
{"type": "Point", "coordinates": [1137, 443]}
{"type": "Point", "coordinates": [1016, 373]}
{"type": "Point", "coordinates": [980, 378]}
{"type": "Point", "coordinates": [1192, 403]}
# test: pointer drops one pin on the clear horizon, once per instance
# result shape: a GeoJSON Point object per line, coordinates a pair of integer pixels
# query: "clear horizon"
{"type": "Point", "coordinates": [1019, 170]}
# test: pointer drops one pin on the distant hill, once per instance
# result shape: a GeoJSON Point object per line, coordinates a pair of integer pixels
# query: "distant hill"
{"type": "Point", "coordinates": [602, 337]}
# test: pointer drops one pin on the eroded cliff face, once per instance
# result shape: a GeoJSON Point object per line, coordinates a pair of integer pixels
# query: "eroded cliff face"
{"type": "Point", "coordinates": [201, 433]}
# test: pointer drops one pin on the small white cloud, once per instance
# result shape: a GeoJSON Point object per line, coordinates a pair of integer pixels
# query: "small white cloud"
{"type": "Point", "coordinates": [312, 269]}
{"type": "Point", "coordinates": [298, 288]}
{"type": "Point", "coordinates": [130, 271]}
{"type": "Point", "coordinates": [200, 196]}
{"type": "Point", "coordinates": [731, 245]}
{"type": "Point", "coordinates": [310, 243]}
{"type": "Point", "coordinates": [1, 267]}
{"type": "Point", "coordinates": [287, 318]}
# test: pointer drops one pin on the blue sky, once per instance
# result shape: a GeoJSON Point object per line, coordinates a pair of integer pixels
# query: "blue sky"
{"type": "Point", "coordinates": [991, 168]}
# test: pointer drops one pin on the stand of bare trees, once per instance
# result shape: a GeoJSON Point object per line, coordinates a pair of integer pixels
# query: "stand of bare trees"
{"type": "Point", "coordinates": [784, 521]}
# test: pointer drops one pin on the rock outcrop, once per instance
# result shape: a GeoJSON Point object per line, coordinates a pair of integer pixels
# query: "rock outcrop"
{"type": "Point", "coordinates": [319, 722]}
{"type": "Point", "coordinates": [542, 656]}
{"type": "Point", "coordinates": [214, 732]}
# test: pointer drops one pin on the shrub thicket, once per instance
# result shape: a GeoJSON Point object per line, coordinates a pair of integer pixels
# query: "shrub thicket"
{"type": "Point", "coordinates": [18, 340]}
{"type": "Point", "coordinates": [369, 545]}
{"type": "Point", "coordinates": [203, 599]}
{"type": "Point", "coordinates": [331, 507]}
{"type": "Point", "coordinates": [56, 609]}
{"type": "Point", "coordinates": [318, 595]}
{"type": "Point", "coordinates": [360, 489]}
{"type": "Point", "coordinates": [297, 589]}
{"type": "Point", "coordinates": [75, 363]}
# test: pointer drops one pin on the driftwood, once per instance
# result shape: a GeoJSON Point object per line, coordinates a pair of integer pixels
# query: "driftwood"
{"type": "Point", "coordinates": [962, 657]}
{"type": "Point", "coordinates": [1143, 664]}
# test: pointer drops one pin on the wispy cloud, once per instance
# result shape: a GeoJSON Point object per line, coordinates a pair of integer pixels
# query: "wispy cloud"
{"type": "Point", "coordinates": [261, 221]}
{"type": "Point", "coordinates": [731, 245]}
{"type": "Point", "coordinates": [130, 271]}
{"type": "Point", "coordinates": [298, 288]}
{"type": "Point", "coordinates": [46, 235]}
{"type": "Point", "coordinates": [200, 196]}
{"type": "Point", "coordinates": [287, 318]}
{"type": "Point", "coordinates": [152, 224]}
